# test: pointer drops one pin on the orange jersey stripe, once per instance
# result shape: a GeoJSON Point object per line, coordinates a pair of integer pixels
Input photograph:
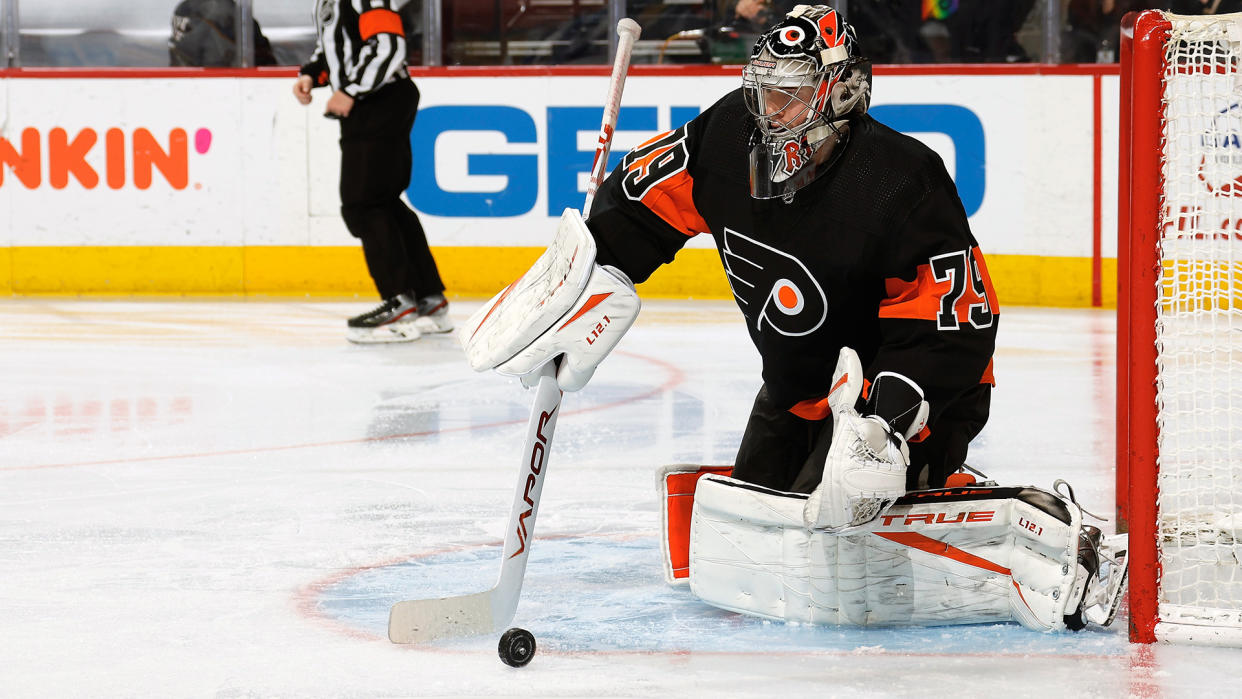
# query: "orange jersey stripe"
{"type": "Point", "coordinates": [920, 299]}
{"type": "Point", "coordinates": [988, 378]}
{"type": "Point", "coordinates": [374, 22]}
{"type": "Point", "coordinates": [916, 300]}
{"type": "Point", "coordinates": [673, 198]}
{"type": "Point", "coordinates": [817, 408]}
{"type": "Point", "coordinates": [812, 409]}
{"type": "Point", "coordinates": [672, 201]}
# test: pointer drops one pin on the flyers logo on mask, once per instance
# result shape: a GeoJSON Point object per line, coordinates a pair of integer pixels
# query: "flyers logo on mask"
{"type": "Point", "coordinates": [798, 35]}
{"type": "Point", "coordinates": [795, 38]}
{"type": "Point", "coordinates": [792, 36]}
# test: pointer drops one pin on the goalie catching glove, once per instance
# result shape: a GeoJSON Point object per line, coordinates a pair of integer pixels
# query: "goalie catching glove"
{"type": "Point", "coordinates": [565, 308]}
{"type": "Point", "coordinates": [865, 470]}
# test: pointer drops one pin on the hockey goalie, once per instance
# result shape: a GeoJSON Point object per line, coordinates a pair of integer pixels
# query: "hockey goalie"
{"type": "Point", "coordinates": [867, 297]}
{"type": "Point", "coordinates": [972, 553]}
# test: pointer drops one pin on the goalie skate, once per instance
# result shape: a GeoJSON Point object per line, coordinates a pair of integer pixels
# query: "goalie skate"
{"type": "Point", "coordinates": [1106, 588]}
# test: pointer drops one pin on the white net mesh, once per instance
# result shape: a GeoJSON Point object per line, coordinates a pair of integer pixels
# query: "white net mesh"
{"type": "Point", "coordinates": [1199, 326]}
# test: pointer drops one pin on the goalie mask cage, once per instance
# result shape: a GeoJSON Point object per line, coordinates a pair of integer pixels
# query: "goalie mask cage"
{"type": "Point", "coordinates": [1179, 326]}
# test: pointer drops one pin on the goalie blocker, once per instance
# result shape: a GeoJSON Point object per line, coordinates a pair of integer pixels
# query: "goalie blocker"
{"type": "Point", "coordinates": [953, 556]}
{"type": "Point", "coordinates": [565, 309]}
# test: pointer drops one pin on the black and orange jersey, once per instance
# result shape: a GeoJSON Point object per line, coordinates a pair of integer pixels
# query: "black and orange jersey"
{"type": "Point", "coordinates": [876, 254]}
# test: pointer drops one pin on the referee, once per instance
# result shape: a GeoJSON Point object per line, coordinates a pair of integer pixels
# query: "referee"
{"type": "Point", "coordinates": [360, 54]}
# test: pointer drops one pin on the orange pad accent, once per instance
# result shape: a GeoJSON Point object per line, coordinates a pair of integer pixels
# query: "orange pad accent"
{"type": "Point", "coordinates": [374, 22]}
{"type": "Point", "coordinates": [959, 480]}
{"type": "Point", "coordinates": [923, 542]}
{"type": "Point", "coordinates": [680, 503]}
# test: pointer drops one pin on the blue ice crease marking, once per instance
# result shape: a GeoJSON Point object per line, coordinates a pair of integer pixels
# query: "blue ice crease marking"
{"type": "Point", "coordinates": [607, 593]}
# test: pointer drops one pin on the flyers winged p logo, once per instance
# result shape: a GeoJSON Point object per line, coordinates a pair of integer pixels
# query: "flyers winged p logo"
{"type": "Point", "coordinates": [773, 288]}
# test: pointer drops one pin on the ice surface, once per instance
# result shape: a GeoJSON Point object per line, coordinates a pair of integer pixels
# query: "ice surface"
{"type": "Point", "coordinates": [223, 498]}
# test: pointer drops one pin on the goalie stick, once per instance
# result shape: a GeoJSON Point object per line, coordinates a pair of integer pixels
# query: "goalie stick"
{"type": "Point", "coordinates": [415, 621]}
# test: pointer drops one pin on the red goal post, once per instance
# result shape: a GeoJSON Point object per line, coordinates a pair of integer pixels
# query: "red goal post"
{"type": "Point", "coordinates": [1179, 325]}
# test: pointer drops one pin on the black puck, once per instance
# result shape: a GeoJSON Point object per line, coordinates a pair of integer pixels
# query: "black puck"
{"type": "Point", "coordinates": [517, 647]}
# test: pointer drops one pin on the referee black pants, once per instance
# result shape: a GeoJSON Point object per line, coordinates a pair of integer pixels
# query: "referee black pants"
{"type": "Point", "coordinates": [375, 170]}
{"type": "Point", "coordinates": [784, 452]}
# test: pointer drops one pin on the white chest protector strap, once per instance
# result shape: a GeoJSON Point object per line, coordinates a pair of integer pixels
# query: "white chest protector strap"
{"type": "Point", "coordinates": [955, 556]}
{"type": "Point", "coordinates": [565, 306]}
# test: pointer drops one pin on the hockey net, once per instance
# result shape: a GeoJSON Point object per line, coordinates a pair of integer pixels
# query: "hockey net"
{"type": "Point", "coordinates": [1179, 369]}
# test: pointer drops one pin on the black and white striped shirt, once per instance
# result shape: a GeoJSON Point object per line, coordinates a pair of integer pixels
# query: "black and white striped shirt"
{"type": "Point", "coordinates": [361, 46]}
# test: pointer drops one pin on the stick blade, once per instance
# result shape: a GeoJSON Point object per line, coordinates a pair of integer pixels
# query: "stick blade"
{"type": "Point", "coordinates": [416, 621]}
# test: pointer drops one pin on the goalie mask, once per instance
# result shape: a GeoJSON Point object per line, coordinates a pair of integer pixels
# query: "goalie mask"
{"type": "Point", "coordinates": [803, 82]}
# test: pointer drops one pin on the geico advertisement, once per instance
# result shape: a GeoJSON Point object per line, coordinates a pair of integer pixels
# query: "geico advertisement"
{"type": "Point", "coordinates": [231, 161]}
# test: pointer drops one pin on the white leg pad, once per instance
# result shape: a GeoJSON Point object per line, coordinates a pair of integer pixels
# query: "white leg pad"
{"type": "Point", "coordinates": [934, 558]}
